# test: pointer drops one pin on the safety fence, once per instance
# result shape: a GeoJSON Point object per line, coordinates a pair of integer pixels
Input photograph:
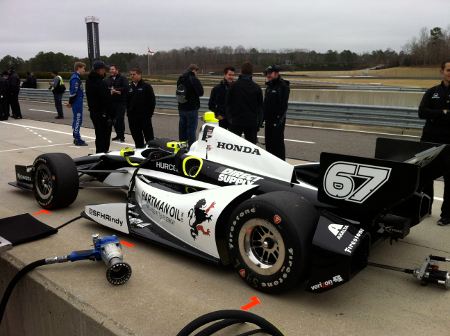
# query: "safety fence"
{"type": "Point", "coordinates": [404, 117]}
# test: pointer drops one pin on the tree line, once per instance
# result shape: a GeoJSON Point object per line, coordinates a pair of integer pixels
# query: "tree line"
{"type": "Point", "coordinates": [429, 48]}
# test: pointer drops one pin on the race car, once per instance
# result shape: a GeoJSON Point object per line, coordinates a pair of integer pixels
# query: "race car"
{"type": "Point", "coordinates": [229, 201]}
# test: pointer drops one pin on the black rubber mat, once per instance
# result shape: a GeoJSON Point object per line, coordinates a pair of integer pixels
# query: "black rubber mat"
{"type": "Point", "coordinates": [24, 228]}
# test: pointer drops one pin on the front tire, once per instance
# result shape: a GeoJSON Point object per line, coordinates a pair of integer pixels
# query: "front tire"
{"type": "Point", "coordinates": [269, 240]}
{"type": "Point", "coordinates": [55, 180]}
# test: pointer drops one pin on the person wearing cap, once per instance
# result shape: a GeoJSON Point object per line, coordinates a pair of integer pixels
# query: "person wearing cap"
{"type": "Point", "coordinates": [188, 111]}
{"type": "Point", "coordinates": [14, 88]}
{"type": "Point", "coordinates": [275, 108]}
{"type": "Point", "coordinates": [219, 95]}
{"type": "Point", "coordinates": [244, 105]}
{"type": "Point", "coordinates": [100, 106]}
{"type": "Point", "coordinates": [76, 102]}
{"type": "Point", "coordinates": [141, 104]}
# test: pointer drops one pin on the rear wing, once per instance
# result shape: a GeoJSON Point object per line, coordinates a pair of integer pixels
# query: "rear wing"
{"type": "Point", "coordinates": [366, 187]}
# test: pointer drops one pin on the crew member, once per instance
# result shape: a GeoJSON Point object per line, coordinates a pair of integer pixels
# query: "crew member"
{"type": "Point", "coordinates": [435, 108]}
{"type": "Point", "coordinates": [218, 96]}
{"type": "Point", "coordinates": [244, 105]}
{"type": "Point", "coordinates": [141, 104]}
{"type": "Point", "coordinates": [275, 107]}
{"type": "Point", "coordinates": [57, 93]}
{"type": "Point", "coordinates": [100, 106]}
{"type": "Point", "coordinates": [118, 84]}
{"type": "Point", "coordinates": [14, 88]}
{"type": "Point", "coordinates": [76, 102]}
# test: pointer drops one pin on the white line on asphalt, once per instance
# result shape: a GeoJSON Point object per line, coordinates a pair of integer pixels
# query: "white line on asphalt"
{"type": "Point", "coordinates": [438, 198]}
{"type": "Point", "coordinates": [16, 149]}
{"type": "Point", "coordinates": [260, 136]}
{"type": "Point", "coordinates": [42, 111]}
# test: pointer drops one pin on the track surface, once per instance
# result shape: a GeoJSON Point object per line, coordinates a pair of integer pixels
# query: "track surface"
{"type": "Point", "coordinates": [305, 143]}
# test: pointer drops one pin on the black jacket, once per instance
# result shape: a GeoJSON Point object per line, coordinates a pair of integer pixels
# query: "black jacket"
{"type": "Point", "coordinates": [194, 92]}
{"type": "Point", "coordinates": [141, 101]}
{"type": "Point", "coordinates": [437, 126]}
{"type": "Point", "coordinates": [276, 100]}
{"type": "Point", "coordinates": [14, 83]}
{"type": "Point", "coordinates": [99, 96]}
{"type": "Point", "coordinates": [244, 103]}
{"type": "Point", "coordinates": [119, 84]}
{"type": "Point", "coordinates": [218, 97]}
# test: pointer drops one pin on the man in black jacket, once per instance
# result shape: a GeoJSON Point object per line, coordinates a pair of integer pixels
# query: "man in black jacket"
{"type": "Point", "coordinates": [275, 107]}
{"type": "Point", "coordinates": [100, 106]}
{"type": "Point", "coordinates": [3, 99]}
{"type": "Point", "coordinates": [118, 84]}
{"type": "Point", "coordinates": [188, 110]}
{"type": "Point", "coordinates": [14, 88]}
{"type": "Point", "coordinates": [218, 96]}
{"type": "Point", "coordinates": [141, 103]}
{"type": "Point", "coordinates": [244, 105]}
{"type": "Point", "coordinates": [435, 108]}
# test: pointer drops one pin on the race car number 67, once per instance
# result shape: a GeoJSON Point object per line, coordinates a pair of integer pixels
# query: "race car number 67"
{"type": "Point", "coordinates": [341, 180]}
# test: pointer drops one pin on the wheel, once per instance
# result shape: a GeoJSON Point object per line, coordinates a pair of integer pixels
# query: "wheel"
{"type": "Point", "coordinates": [269, 240]}
{"type": "Point", "coordinates": [161, 143]}
{"type": "Point", "coordinates": [55, 180]}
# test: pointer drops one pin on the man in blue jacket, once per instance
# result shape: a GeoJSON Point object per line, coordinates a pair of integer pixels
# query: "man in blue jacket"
{"type": "Point", "coordinates": [76, 102]}
{"type": "Point", "coordinates": [188, 110]}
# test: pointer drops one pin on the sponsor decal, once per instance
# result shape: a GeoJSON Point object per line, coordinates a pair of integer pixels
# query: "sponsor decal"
{"type": "Point", "coordinates": [23, 177]}
{"type": "Point", "coordinates": [166, 166]}
{"type": "Point", "coordinates": [197, 215]}
{"type": "Point", "coordinates": [328, 283]}
{"type": "Point", "coordinates": [208, 147]}
{"type": "Point", "coordinates": [163, 210]}
{"type": "Point", "coordinates": [237, 148]}
{"type": "Point", "coordinates": [237, 177]}
{"type": "Point", "coordinates": [105, 216]}
{"type": "Point", "coordinates": [350, 247]}
{"type": "Point", "coordinates": [276, 219]}
{"type": "Point", "coordinates": [207, 132]}
{"type": "Point", "coordinates": [436, 95]}
{"type": "Point", "coordinates": [242, 273]}
{"type": "Point", "coordinates": [338, 230]}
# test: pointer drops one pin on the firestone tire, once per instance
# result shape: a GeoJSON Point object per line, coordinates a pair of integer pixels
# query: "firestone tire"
{"type": "Point", "coordinates": [269, 240]}
{"type": "Point", "coordinates": [55, 180]}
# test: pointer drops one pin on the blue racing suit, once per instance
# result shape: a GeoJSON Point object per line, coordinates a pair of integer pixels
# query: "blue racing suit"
{"type": "Point", "coordinates": [76, 100]}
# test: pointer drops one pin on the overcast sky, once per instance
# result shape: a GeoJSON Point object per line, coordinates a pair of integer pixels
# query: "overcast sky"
{"type": "Point", "coordinates": [30, 26]}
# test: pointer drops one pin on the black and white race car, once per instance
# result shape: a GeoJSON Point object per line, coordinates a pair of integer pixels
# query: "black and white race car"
{"type": "Point", "coordinates": [230, 202]}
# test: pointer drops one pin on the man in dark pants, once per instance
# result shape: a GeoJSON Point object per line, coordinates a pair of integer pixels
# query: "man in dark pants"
{"type": "Point", "coordinates": [57, 93]}
{"type": "Point", "coordinates": [118, 84]}
{"type": "Point", "coordinates": [141, 103]}
{"type": "Point", "coordinates": [3, 100]}
{"type": "Point", "coordinates": [188, 111]}
{"type": "Point", "coordinates": [219, 95]}
{"type": "Point", "coordinates": [275, 107]}
{"type": "Point", "coordinates": [100, 106]}
{"type": "Point", "coordinates": [6, 114]}
{"type": "Point", "coordinates": [14, 88]}
{"type": "Point", "coordinates": [244, 105]}
{"type": "Point", "coordinates": [435, 108]}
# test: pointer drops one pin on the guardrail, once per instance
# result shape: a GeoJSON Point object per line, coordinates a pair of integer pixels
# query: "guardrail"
{"type": "Point", "coordinates": [404, 117]}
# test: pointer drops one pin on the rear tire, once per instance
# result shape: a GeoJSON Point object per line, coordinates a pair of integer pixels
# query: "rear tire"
{"type": "Point", "coordinates": [269, 240]}
{"type": "Point", "coordinates": [55, 180]}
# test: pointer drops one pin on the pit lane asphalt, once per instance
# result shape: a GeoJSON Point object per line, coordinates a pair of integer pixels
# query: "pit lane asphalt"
{"type": "Point", "coordinates": [301, 142]}
{"type": "Point", "coordinates": [167, 289]}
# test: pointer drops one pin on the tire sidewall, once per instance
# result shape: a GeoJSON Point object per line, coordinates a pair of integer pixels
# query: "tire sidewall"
{"type": "Point", "coordinates": [289, 273]}
{"type": "Point", "coordinates": [46, 203]}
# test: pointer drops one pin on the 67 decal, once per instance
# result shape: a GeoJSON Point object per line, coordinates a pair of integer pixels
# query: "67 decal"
{"type": "Point", "coordinates": [343, 180]}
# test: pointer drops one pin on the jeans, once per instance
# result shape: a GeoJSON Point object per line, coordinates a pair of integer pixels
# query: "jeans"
{"type": "Point", "coordinates": [187, 126]}
{"type": "Point", "coordinates": [119, 127]}
{"type": "Point", "coordinates": [58, 104]}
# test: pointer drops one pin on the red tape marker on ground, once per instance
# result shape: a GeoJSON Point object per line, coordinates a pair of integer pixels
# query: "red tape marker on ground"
{"type": "Point", "coordinates": [254, 302]}
{"type": "Point", "coordinates": [126, 244]}
{"type": "Point", "coordinates": [42, 212]}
